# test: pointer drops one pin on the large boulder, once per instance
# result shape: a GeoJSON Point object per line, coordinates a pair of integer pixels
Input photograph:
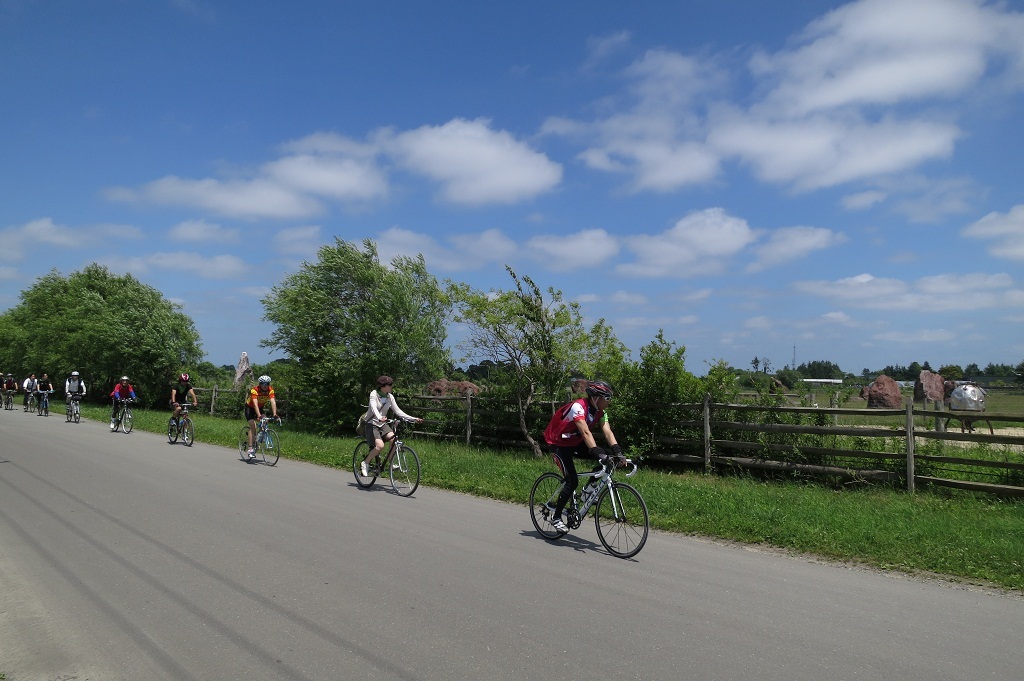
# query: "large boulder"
{"type": "Point", "coordinates": [929, 386]}
{"type": "Point", "coordinates": [884, 393]}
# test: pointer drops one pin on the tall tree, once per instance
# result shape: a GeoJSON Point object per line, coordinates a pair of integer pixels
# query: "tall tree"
{"type": "Point", "coordinates": [102, 325]}
{"type": "Point", "coordinates": [347, 318]}
{"type": "Point", "coordinates": [537, 341]}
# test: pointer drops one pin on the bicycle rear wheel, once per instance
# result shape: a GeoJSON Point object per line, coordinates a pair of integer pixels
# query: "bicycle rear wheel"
{"type": "Point", "coordinates": [405, 471]}
{"type": "Point", "coordinates": [622, 520]}
{"type": "Point", "coordinates": [172, 431]}
{"type": "Point", "coordinates": [542, 504]}
{"type": "Point", "coordinates": [270, 447]}
{"type": "Point", "coordinates": [188, 432]}
{"type": "Point", "coordinates": [360, 452]}
{"type": "Point", "coordinates": [126, 420]}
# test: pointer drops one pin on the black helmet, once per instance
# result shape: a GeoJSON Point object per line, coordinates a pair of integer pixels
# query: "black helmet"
{"type": "Point", "coordinates": [600, 389]}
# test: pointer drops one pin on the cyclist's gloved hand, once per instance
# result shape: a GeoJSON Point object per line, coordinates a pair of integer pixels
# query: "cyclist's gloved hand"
{"type": "Point", "coordinates": [620, 458]}
{"type": "Point", "coordinates": [599, 454]}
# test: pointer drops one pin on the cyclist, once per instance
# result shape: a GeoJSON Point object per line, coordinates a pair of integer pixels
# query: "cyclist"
{"type": "Point", "coordinates": [570, 434]}
{"type": "Point", "coordinates": [43, 388]}
{"type": "Point", "coordinates": [10, 387]}
{"type": "Point", "coordinates": [182, 391]}
{"type": "Point", "coordinates": [122, 390]}
{"type": "Point", "coordinates": [74, 385]}
{"type": "Point", "coordinates": [377, 429]}
{"type": "Point", "coordinates": [29, 386]}
{"type": "Point", "coordinates": [259, 396]}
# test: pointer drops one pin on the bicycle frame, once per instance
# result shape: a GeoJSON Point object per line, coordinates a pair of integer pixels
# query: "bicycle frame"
{"type": "Point", "coordinates": [603, 480]}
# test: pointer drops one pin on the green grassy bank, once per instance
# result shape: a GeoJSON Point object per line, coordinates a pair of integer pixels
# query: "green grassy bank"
{"type": "Point", "coordinates": [957, 535]}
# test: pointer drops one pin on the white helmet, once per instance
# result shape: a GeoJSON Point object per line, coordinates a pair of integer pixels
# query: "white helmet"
{"type": "Point", "coordinates": [74, 374]}
{"type": "Point", "coordinates": [264, 380]}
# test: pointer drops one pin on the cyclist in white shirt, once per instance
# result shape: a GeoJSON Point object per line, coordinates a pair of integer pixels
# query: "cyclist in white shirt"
{"type": "Point", "coordinates": [377, 429]}
{"type": "Point", "coordinates": [73, 386]}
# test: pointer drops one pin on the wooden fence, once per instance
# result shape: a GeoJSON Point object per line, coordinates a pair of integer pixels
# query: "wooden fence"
{"type": "Point", "coordinates": [907, 447]}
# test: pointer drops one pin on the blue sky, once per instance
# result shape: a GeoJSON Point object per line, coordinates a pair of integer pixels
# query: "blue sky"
{"type": "Point", "coordinates": [844, 179]}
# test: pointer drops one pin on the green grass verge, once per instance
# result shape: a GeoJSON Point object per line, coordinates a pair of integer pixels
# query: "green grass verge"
{"type": "Point", "coordinates": [960, 536]}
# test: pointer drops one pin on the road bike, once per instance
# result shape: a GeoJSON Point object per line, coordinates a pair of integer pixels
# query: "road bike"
{"type": "Point", "coordinates": [43, 402]}
{"type": "Point", "coordinates": [620, 513]}
{"type": "Point", "coordinates": [181, 427]}
{"type": "Point", "coordinates": [73, 411]}
{"type": "Point", "coordinates": [9, 400]}
{"type": "Point", "coordinates": [267, 445]}
{"type": "Point", "coordinates": [401, 462]}
{"type": "Point", "coordinates": [124, 416]}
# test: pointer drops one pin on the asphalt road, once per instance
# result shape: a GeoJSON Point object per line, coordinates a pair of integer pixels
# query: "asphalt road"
{"type": "Point", "coordinates": [123, 557]}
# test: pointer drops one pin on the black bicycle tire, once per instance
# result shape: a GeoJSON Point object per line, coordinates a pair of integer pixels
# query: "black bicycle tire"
{"type": "Point", "coordinates": [172, 431]}
{"type": "Point", "coordinates": [358, 454]}
{"type": "Point", "coordinates": [618, 531]}
{"type": "Point", "coordinates": [270, 452]}
{"type": "Point", "coordinates": [127, 421]}
{"type": "Point", "coordinates": [78, 412]}
{"type": "Point", "coordinates": [540, 518]}
{"type": "Point", "coordinates": [413, 484]}
{"type": "Point", "coordinates": [188, 432]}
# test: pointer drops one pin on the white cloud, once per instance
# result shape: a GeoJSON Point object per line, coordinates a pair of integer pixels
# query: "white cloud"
{"type": "Point", "coordinates": [568, 252]}
{"type": "Point", "coordinates": [1005, 232]}
{"type": "Point", "coordinates": [300, 241]}
{"type": "Point", "coordinates": [863, 200]}
{"type": "Point", "coordinates": [917, 336]}
{"type": "Point", "coordinates": [936, 294]}
{"type": "Point", "coordinates": [45, 233]}
{"type": "Point", "coordinates": [341, 178]}
{"type": "Point", "coordinates": [475, 164]}
{"type": "Point", "coordinates": [792, 243]}
{"type": "Point", "coordinates": [202, 266]}
{"type": "Point", "coordinates": [699, 244]}
{"type": "Point", "coordinates": [201, 230]}
{"type": "Point", "coordinates": [466, 252]}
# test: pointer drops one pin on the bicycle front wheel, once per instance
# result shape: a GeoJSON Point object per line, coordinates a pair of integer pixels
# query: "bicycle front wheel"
{"type": "Point", "coordinates": [543, 497]}
{"type": "Point", "coordinates": [405, 471]}
{"type": "Point", "coordinates": [188, 432]}
{"type": "Point", "coordinates": [78, 412]}
{"type": "Point", "coordinates": [360, 452]}
{"type": "Point", "coordinates": [622, 520]}
{"type": "Point", "coordinates": [39, 407]}
{"type": "Point", "coordinates": [270, 448]}
{"type": "Point", "coordinates": [126, 420]}
{"type": "Point", "coordinates": [67, 413]}
{"type": "Point", "coordinates": [172, 431]}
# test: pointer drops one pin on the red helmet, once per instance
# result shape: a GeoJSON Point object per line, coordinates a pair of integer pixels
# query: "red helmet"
{"type": "Point", "coordinates": [184, 378]}
{"type": "Point", "coordinates": [599, 389]}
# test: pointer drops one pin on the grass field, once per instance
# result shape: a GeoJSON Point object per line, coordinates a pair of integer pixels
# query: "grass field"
{"type": "Point", "coordinates": [956, 535]}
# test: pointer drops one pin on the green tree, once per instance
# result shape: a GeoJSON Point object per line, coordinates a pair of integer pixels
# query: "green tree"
{"type": "Point", "coordinates": [535, 340]}
{"type": "Point", "coordinates": [972, 370]}
{"type": "Point", "coordinates": [347, 318]}
{"type": "Point", "coordinates": [820, 369]}
{"type": "Point", "coordinates": [103, 326]}
{"type": "Point", "coordinates": [951, 372]}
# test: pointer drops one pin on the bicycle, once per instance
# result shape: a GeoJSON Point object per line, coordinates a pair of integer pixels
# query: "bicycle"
{"type": "Point", "coordinates": [181, 427]}
{"type": "Point", "coordinates": [30, 404]}
{"type": "Point", "coordinates": [73, 412]}
{"type": "Point", "coordinates": [620, 513]}
{"type": "Point", "coordinates": [267, 444]}
{"type": "Point", "coordinates": [9, 400]}
{"type": "Point", "coordinates": [123, 417]}
{"type": "Point", "coordinates": [43, 403]}
{"type": "Point", "coordinates": [401, 462]}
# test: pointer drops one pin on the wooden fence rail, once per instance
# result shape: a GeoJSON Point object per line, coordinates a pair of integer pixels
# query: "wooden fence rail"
{"type": "Point", "coordinates": [898, 446]}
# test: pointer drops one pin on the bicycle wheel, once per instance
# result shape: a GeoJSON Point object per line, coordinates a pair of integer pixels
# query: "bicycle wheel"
{"type": "Point", "coordinates": [172, 431]}
{"type": "Point", "coordinates": [67, 413]}
{"type": "Point", "coordinates": [542, 503]}
{"type": "Point", "coordinates": [39, 407]}
{"type": "Point", "coordinates": [622, 521]}
{"type": "Point", "coordinates": [270, 448]}
{"type": "Point", "coordinates": [126, 420]}
{"type": "Point", "coordinates": [405, 471]}
{"type": "Point", "coordinates": [78, 412]}
{"type": "Point", "coordinates": [243, 443]}
{"type": "Point", "coordinates": [360, 452]}
{"type": "Point", "coordinates": [188, 432]}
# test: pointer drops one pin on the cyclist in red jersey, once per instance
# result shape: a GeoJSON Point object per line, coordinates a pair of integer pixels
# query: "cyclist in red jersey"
{"type": "Point", "coordinates": [570, 434]}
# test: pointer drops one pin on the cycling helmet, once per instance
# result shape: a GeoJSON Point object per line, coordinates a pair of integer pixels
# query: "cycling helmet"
{"type": "Point", "coordinates": [74, 374]}
{"type": "Point", "coordinates": [124, 379]}
{"type": "Point", "coordinates": [264, 380]}
{"type": "Point", "coordinates": [184, 378]}
{"type": "Point", "coordinates": [599, 389]}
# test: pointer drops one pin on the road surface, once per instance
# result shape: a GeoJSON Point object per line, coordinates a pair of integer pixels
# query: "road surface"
{"type": "Point", "coordinates": [123, 557]}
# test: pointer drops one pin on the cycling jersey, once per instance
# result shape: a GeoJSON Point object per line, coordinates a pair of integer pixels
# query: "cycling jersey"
{"type": "Point", "coordinates": [256, 396]}
{"type": "Point", "coordinates": [562, 430]}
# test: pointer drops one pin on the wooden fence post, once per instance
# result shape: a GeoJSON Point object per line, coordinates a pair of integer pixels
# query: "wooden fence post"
{"type": "Point", "coordinates": [910, 446]}
{"type": "Point", "coordinates": [213, 399]}
{"type": "Point", "coordinates": [707, 432]}
{"type": "Point", "coordinates": [469, 416]}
